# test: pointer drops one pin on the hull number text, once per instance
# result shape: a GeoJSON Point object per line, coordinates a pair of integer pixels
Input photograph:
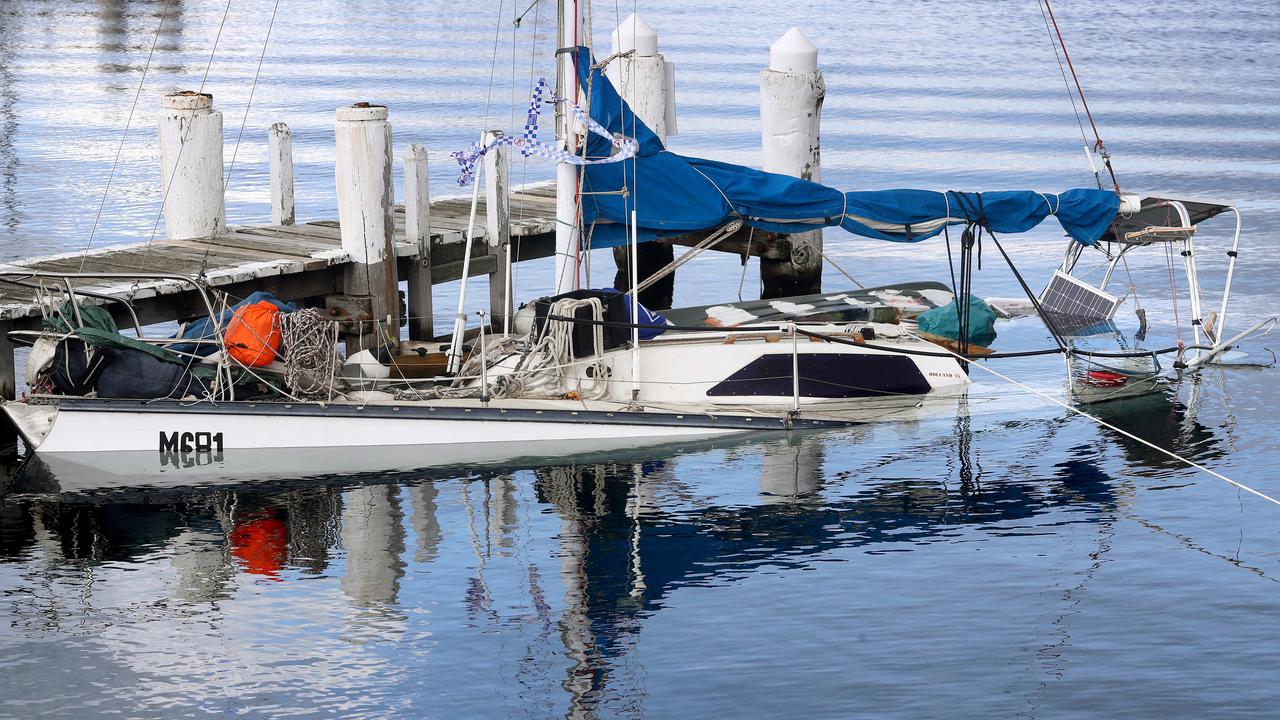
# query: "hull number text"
{"type": "Point", "coordinates": [186, 442]}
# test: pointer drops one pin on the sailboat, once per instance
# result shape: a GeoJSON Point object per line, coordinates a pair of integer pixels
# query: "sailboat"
{"type": "Point", "coordinates": [585, 371]}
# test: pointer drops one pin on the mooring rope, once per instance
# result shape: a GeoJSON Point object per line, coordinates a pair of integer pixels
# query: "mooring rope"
{"type": "Point", "coordinates": [1109, 426]}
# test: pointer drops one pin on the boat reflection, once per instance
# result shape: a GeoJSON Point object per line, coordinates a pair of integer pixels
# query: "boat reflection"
{"type": "Point", "coordinates": [1163, 420]}
{"type": "Point", "coordinates": [625, 534]}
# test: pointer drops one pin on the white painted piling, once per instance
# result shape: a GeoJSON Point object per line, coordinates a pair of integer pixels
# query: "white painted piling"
{"type": "Point", "coordinates": [497, 172]}
{"type": "Point", "coordinates": [373, 534]}
{"type": "Point", "coordinates": [645, 80]}
{"type": "Point", "coordinates": [280, 149]}
{"type": "Point", "coordinates": [791, 470]}
{"type": "Point", "coordinates": [791, 95]}
{"type": "Point", "coordinates": [362, 170]}
{"type": "Point", "coordinates": [190, 132]}
{"type": "Point", "coordinates": [417, 227]}
{"type": "Point", "coordinates": [642, 78]}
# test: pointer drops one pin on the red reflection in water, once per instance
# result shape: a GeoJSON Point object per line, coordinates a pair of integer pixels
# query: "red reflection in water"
{"type": "Point", "coordinates": [261, 542]}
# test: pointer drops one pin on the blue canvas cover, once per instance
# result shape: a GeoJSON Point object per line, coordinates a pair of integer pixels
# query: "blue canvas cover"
{"type": "Point", "coordinates": [674, 194]}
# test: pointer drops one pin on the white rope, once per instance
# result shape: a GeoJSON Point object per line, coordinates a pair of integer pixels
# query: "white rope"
{"type": "Point", "coordinates": [1113, 428]}
{"type": "Point", "coordinates": [541, 368]}
{"type": "Point", "coordinates": [837, 267]}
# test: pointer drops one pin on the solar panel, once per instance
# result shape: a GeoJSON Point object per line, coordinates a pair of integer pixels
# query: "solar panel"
{"type": "Point", "coordinates": [1068, 296]}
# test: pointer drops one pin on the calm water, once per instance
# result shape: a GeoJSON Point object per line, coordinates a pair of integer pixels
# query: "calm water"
{"type": "Point", "coordinates": [1000, 558]}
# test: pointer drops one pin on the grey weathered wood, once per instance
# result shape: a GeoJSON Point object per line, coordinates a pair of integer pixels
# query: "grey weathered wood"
{"type": "Point", "coordinates": [8, 379]}
{"type": "Point", "coordinates": [8, 389]}
{"type": "Point", "coordinates": [448, 272]}
{"type": "Point", "coordinates": [362, 171]}
{"type": "Point", "coordinates": [417, 230]}
{"type": "Point", "coordinates": [498, 229]}
{"type": "Point", "coordinates": [280, 145]}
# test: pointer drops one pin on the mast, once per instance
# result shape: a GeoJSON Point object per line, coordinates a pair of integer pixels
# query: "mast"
{"type": "Point", "coordinates": [569, 26]}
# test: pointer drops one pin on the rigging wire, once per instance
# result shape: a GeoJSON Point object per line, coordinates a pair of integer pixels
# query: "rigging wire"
{"type": "Point", "coordinates": [1099, 147]}
{"type": "Point", "coordinates": [164, 198]}
{"type": "Point", "coordinates": [120, 148]}
{"type": "Point", "coordinates": [524, 159]}
{"type": "Point", "coordinates": [1075, 108]}
{"type": "Point", "coordinates": [204, 262]}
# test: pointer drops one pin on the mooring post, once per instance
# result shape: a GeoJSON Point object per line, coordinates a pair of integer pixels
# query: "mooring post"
{"type": "Point", "coordinates": [280, 147]}
{"type": "Point", "coordinates": [362, 170]}
{"type": "Point", "coordinates": [791, 94]}
{"type": "Point", "coordinates": [417, 228]}
{"type": "Point", "coordinates": [643, 78]}
{"type": "Point", "coordinates": [497, 202]}
{"type": "Point", "coordinates": [8, 388]}
{"type": "Point", "coordinates": [190, 133]}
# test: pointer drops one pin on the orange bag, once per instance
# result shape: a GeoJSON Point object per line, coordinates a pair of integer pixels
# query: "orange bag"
{"type": "Point", "coordinates": [253, 335]}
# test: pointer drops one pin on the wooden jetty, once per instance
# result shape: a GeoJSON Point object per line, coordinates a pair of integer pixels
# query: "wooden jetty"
{"type": "Point", "coordinates": [351, 265]}
{"type": "Point", "coordinates": [303, 262]}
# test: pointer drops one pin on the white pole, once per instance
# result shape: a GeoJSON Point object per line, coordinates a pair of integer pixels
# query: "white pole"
{"type": "Point", "coordinates": [484, 363]}
{"type": "Point", "coordinates": [567, 231]}
{"type": "Point", "coordinates": [1220, 328]}
{"type": "Point", "coordinates": [362, 171]}
{"type": "Point", "coordinates": [280, 145]}
{"type": "Point", "coordinates": [635, 312]}
{"type": "Point", "coordinates": [791, 95]}
{"type": "Point", "coordinates": [460, 319]}
{"type": "Point", "coordinates": [190, 133]}
{"type": "Point", "coordinates": [795, 368]}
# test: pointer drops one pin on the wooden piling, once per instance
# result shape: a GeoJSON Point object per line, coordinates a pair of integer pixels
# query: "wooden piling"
{"type": "Point", "coordinates": [643, 78]}
{"type": "Point", "coordinates": [417, 229]}
{"type": "Point", "coordinates": [791, 95]}
{"type": "Point", "coordinates": [190, 133]}
{"type": "Point", "coordinates": [650, 257]}
{"type": "Point", "coordinates": [8, 389]}
{"type": "Point", "coordinates": [362, 171]}
{"type": "Point", "coordinates": [497, 172]}
{"type": "Point", "coordinates": [280, 146]}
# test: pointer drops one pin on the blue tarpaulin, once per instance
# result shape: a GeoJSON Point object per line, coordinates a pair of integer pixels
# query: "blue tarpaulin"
{"type": "Point", "coordinates": [674, 194]}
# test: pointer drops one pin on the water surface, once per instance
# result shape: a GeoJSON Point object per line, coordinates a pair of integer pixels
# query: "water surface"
{"type": "Point", "coordinates": [1001, 557]}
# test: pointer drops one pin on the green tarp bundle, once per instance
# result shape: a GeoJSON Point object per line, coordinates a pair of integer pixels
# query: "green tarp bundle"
{"type": "Point", "coordinates": [99, 329]}
{"type": "Point", "coordinates": [945, 322]}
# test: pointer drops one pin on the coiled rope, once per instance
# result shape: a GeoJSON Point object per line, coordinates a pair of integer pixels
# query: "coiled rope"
{"type": "Point", "coordinates": [309, 344]}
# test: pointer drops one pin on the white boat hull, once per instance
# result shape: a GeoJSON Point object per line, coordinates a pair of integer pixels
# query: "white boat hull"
{"type": "Point", "coordinates": [119, 442]}
{"type": "Point", "coordinates": [688, 388]}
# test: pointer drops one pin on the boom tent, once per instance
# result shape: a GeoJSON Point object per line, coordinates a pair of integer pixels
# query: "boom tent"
{"type": "Point", "coordinates": [680, 194]}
